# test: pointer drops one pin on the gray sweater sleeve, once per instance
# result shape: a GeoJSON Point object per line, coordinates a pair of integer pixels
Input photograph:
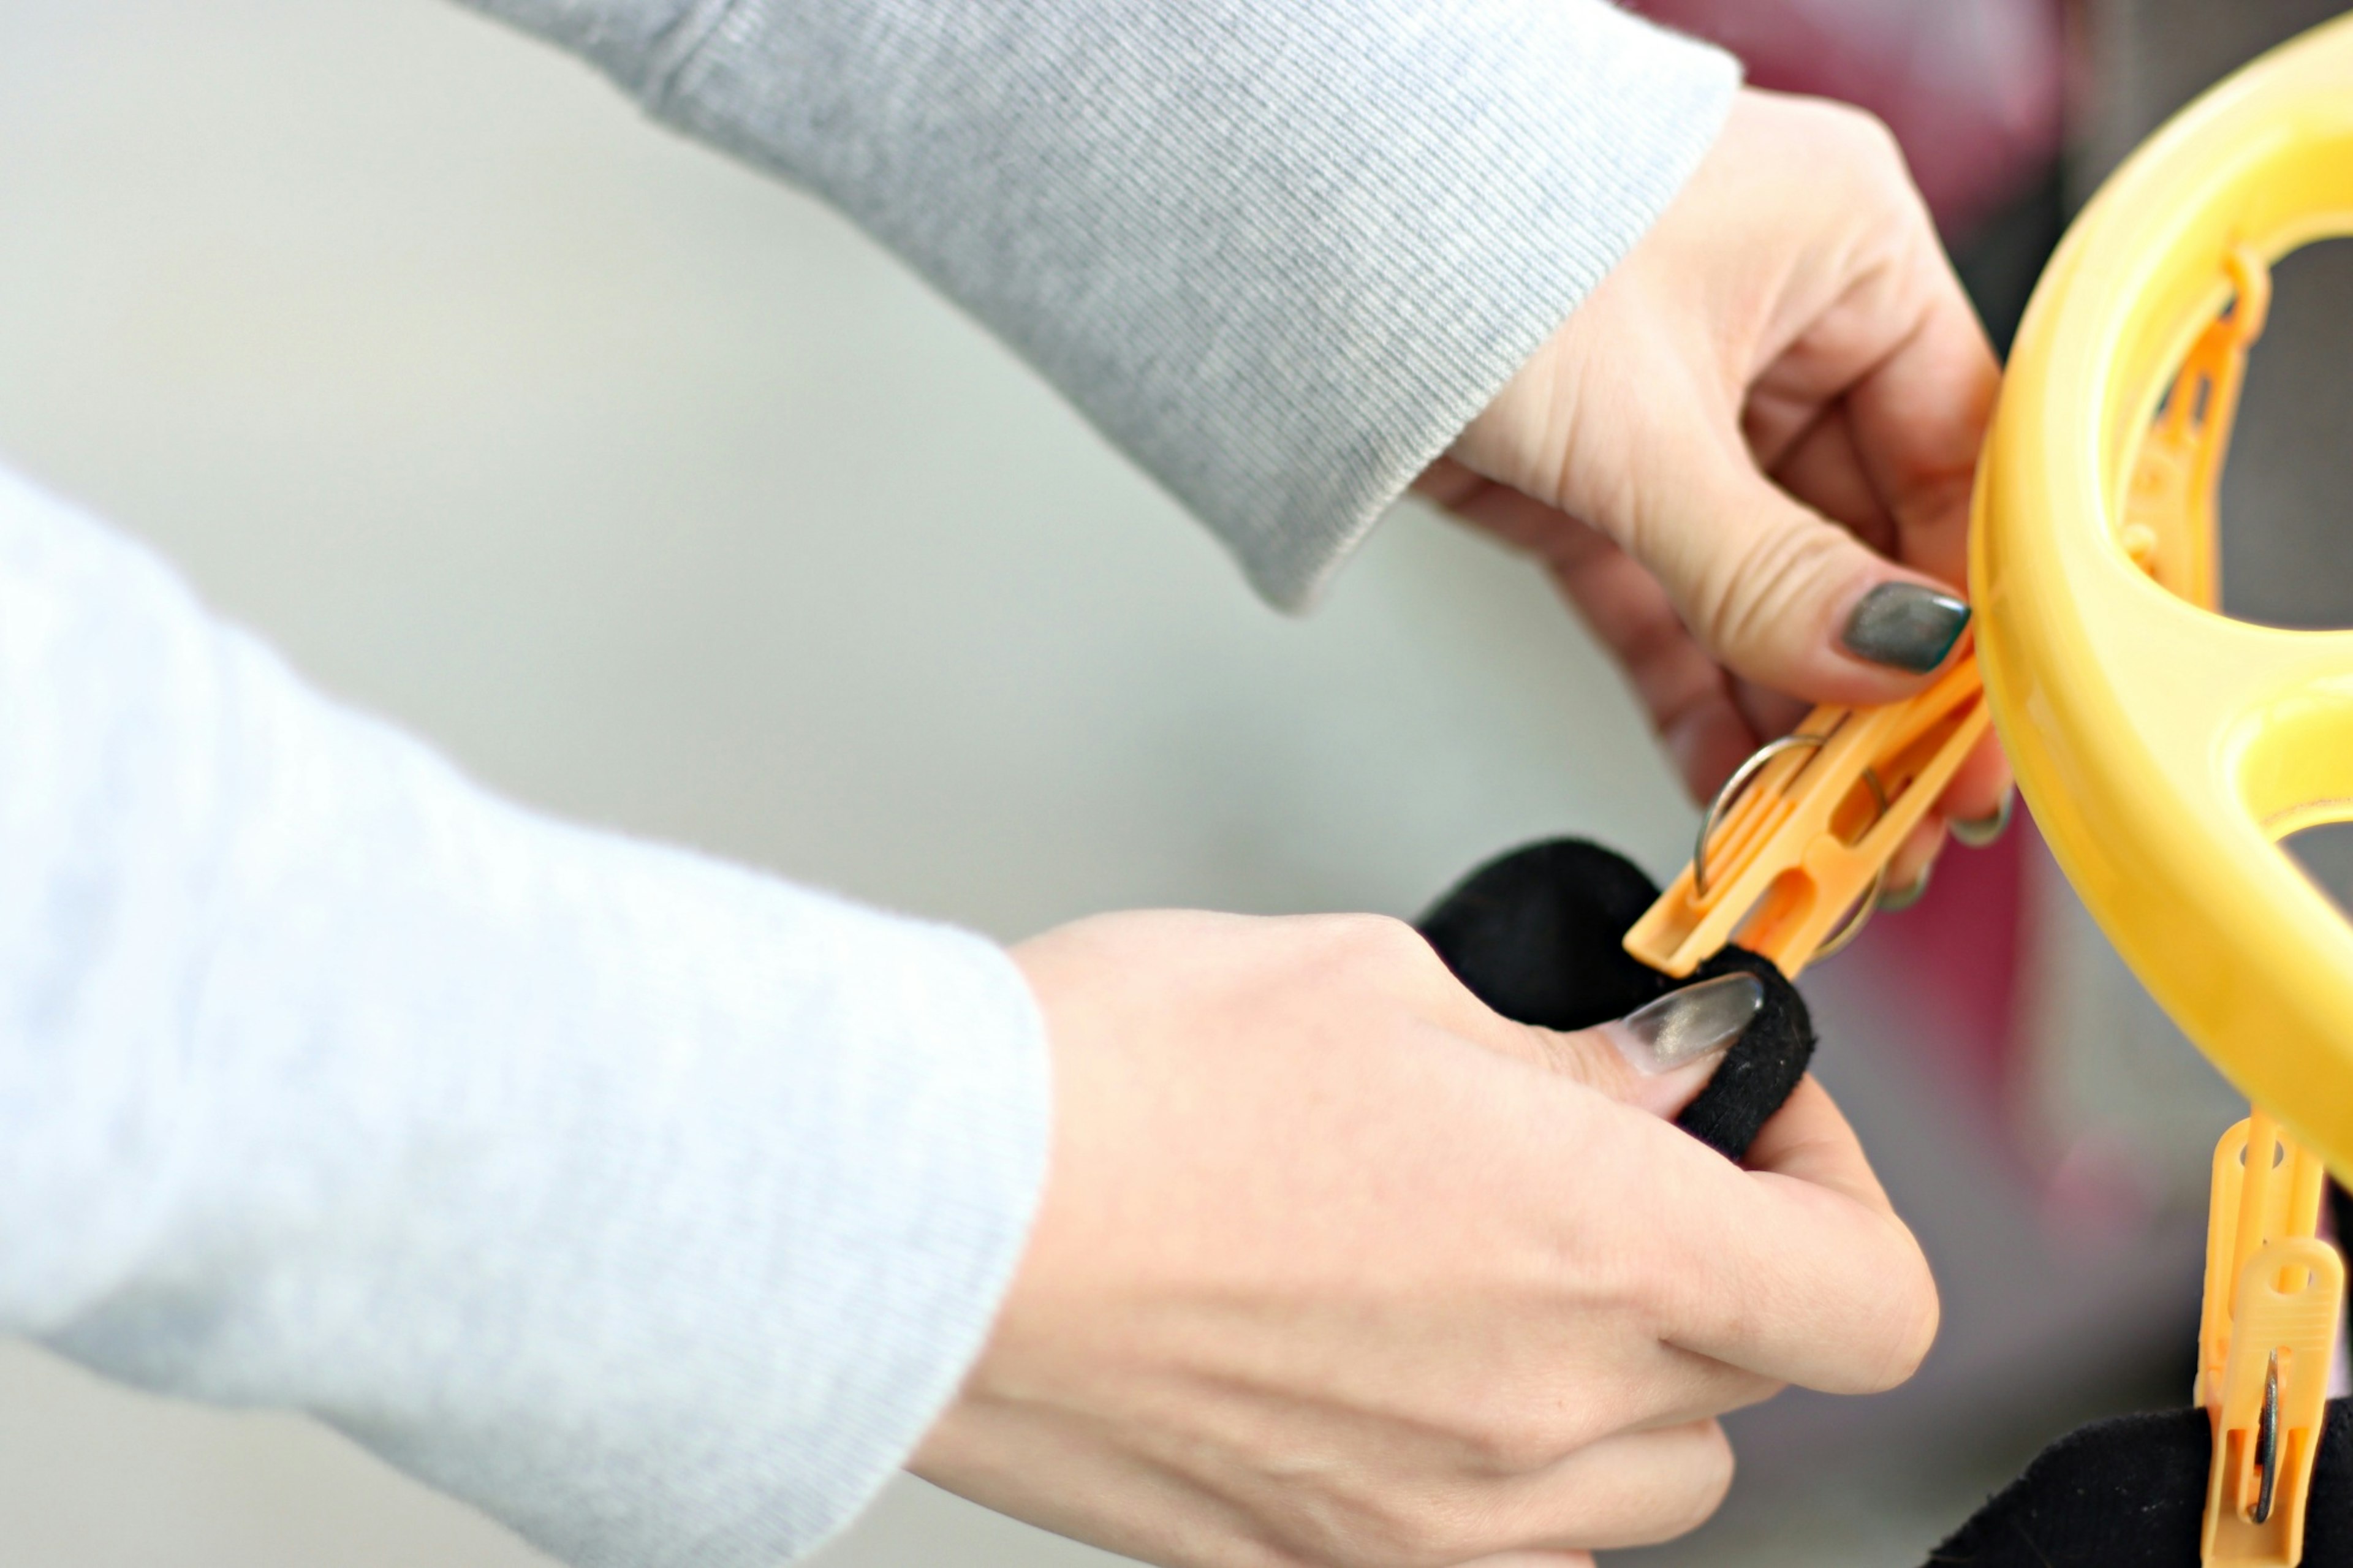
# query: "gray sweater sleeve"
{"type": "Point", "coordinates": [1280, 251]}
{"type": "Point", "coordinates": [654, 1205]}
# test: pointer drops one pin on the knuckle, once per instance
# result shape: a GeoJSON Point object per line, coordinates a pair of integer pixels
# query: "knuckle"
{"type": "Point", "coordinates": [1864, 138]}
{"type": "Point", "coordinates": [1755, 593]}
{"type": "Point", "coordinates": [1523, 1441]}
{"type": "Point", "coordinates": [1686, 1496]}
{"type": "Point", "coordinates": [1375, 946]}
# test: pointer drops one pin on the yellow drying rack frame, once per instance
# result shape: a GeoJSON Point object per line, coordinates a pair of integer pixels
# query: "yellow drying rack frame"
{"type": "Point", "coordinates": [2166, 749]}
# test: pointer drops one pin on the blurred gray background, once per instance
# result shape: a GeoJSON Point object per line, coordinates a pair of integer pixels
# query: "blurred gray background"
{"type": "Point", "coordinates": [663, 500]}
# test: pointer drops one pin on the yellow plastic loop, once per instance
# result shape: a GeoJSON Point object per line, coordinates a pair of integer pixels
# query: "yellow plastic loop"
{"type": "Point", "coordinates": [2163, 747]}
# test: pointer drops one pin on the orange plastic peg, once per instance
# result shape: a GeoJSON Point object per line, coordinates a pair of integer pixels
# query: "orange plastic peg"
{"type": "Point", "coordinates": [2168, 528]}
{"type": "Point", "coordinates": [1796, 845]}
{"type": "Point", "coordinates": [2265, 1338]}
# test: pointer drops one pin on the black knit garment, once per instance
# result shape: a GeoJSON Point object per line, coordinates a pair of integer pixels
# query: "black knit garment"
{"type": "Point", "coordinates": [1536, 934]}
{"type": "Point", "coordinates": [2131, 1493]}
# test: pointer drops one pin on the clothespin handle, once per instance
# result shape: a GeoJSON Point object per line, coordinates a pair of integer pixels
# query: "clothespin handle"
{"type": "Point", "coordinates": [2168, 523]}
{"type": "Point", "coordinates": [1795, 847]}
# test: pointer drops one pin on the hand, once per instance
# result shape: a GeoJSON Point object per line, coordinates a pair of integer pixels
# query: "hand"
{"type": "Point", "coordinates": [1747, 456]}
{"type": "Point", "coordinates": [1336, 1267]}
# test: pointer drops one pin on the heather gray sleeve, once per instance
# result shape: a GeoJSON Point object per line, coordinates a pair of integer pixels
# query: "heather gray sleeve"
{"type": "Point", "coordinates": [655, 1205]}
{"type": "Point", "coordinates": [1280, 251]}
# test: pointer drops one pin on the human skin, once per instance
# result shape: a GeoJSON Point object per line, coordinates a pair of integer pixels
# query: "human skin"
{"type": "Point", "coordinates": [1336, 1267]}
{"type": "Point", "coordinates": [1771, 407]}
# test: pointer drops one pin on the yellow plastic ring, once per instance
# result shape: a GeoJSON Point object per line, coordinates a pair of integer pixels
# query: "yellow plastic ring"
{"type": "Point", "coordinates": [2164, 747]}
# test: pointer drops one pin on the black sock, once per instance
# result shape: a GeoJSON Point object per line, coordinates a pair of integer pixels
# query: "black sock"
{"type": "Point", "coordinates": [2131, 1493]}
{"type": "Point", "coordinates": [1536, 934]}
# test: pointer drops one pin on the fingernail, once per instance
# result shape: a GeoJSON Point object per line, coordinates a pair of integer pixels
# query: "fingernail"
{"type": "Point", "coordinates": [1902, 898]}
{"type": "Point", "coordinates": [1906, 627]}
{"type": "Point", "coordinates": [1688, 1025]}
{"type": "Point", "coordinates": [1980, 831]}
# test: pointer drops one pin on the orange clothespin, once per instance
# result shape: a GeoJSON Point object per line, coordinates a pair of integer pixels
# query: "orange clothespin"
{"type": "Point", "coordinates": [1795, 847]}
{"type": "Point", "coordinates": [2168, 527]}
{"type": "Point", "coordinates": [2266, 1336]}
{"type": "Point", "coordinates": [1792, 852]}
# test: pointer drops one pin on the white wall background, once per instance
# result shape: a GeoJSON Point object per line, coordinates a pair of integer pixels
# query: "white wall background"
{"type": "Point", "coordinates": [662, 498]}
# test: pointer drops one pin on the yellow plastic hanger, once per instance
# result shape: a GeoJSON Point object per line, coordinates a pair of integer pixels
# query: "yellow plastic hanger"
{"type": "Point", "coordinates": [2165, 748]}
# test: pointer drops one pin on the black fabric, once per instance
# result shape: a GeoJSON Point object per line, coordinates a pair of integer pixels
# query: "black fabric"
{"type": "Point", "coordinates": [1760, 1073]}
{"type": "Point", "coordinates": [2131, 1493]}
{"type": "Point", "coordinates": [1537, 935]}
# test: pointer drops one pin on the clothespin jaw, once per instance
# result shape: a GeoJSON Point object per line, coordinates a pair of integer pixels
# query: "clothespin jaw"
{"type": "Point", "coordinates": [2266, 1336]}
{"type": "Point", "coordinates": [1795, 847]}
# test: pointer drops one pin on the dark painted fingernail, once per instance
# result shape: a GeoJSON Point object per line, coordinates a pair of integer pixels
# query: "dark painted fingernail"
{"type": "Point", "coordinates": [1902, 898]}
{"type": "Point", "coordinates": [1687, 1025]}
{"type": "Point", "coordinates": [1906, 627]}
{"type": "Point", "coordinates": [1980, 831]}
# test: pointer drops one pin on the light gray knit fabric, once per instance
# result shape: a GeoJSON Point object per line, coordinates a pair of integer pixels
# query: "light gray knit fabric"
{"type": "Point", "coordinates": [1280, 252]}
{"type": "Point", "coordinates": [652, 1205]}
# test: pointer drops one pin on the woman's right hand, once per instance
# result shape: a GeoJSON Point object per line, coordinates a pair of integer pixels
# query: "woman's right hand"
{"type": "Point", "coordinates": [1335, 1266]}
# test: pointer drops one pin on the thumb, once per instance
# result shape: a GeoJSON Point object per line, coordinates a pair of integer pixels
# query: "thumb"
{"type": "Point", "coordinates": [1788, 599]}
{"type": "Point", "coordinates": [1659, 1056]}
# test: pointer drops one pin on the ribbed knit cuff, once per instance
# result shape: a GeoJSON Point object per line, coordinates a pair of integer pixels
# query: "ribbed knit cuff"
{"type": "Point", "coordinates": [1280, 254]}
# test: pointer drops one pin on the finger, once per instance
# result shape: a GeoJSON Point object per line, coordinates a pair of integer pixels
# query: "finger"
{"type": "Point", "coordinates": [1900, 359]}
{"type": "Point", "coordinates": [1978, 799]}
{"type": "Point", "coordinates": [1633, 1490]}
{"type": "Point", "coordinates": [1657, 1058]}
{"type": "Point", "coordinates": [1981, 787]}
{"type": "Point", "coordinates": [1825, 472]}
{"type": "Point", "coordinates": [1779, 593]}
{"type": "Point", "coordinates": [1769, 712]}
{"type": "Point", "coordinates": [1919, 417]}
{"type": "Point", "coordinates": [1908, 868]}
{"type": "Point", "coordinates": [1640, 1386]}
{"type": "Point", "coordinates": [1795, 1268]}
{"type": "Point", "coordinates": [1810, 1141]}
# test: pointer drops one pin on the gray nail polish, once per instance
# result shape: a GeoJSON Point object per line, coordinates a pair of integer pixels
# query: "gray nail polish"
{"type": "Point", "coordinates": [1979, 832]}
{"type": "Point", "coordinates": [1902, 898]}
{"type": "Point", "coordinates": [1684, 1025]}
{"type": "Point", "coordinates": [1906, 627]}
